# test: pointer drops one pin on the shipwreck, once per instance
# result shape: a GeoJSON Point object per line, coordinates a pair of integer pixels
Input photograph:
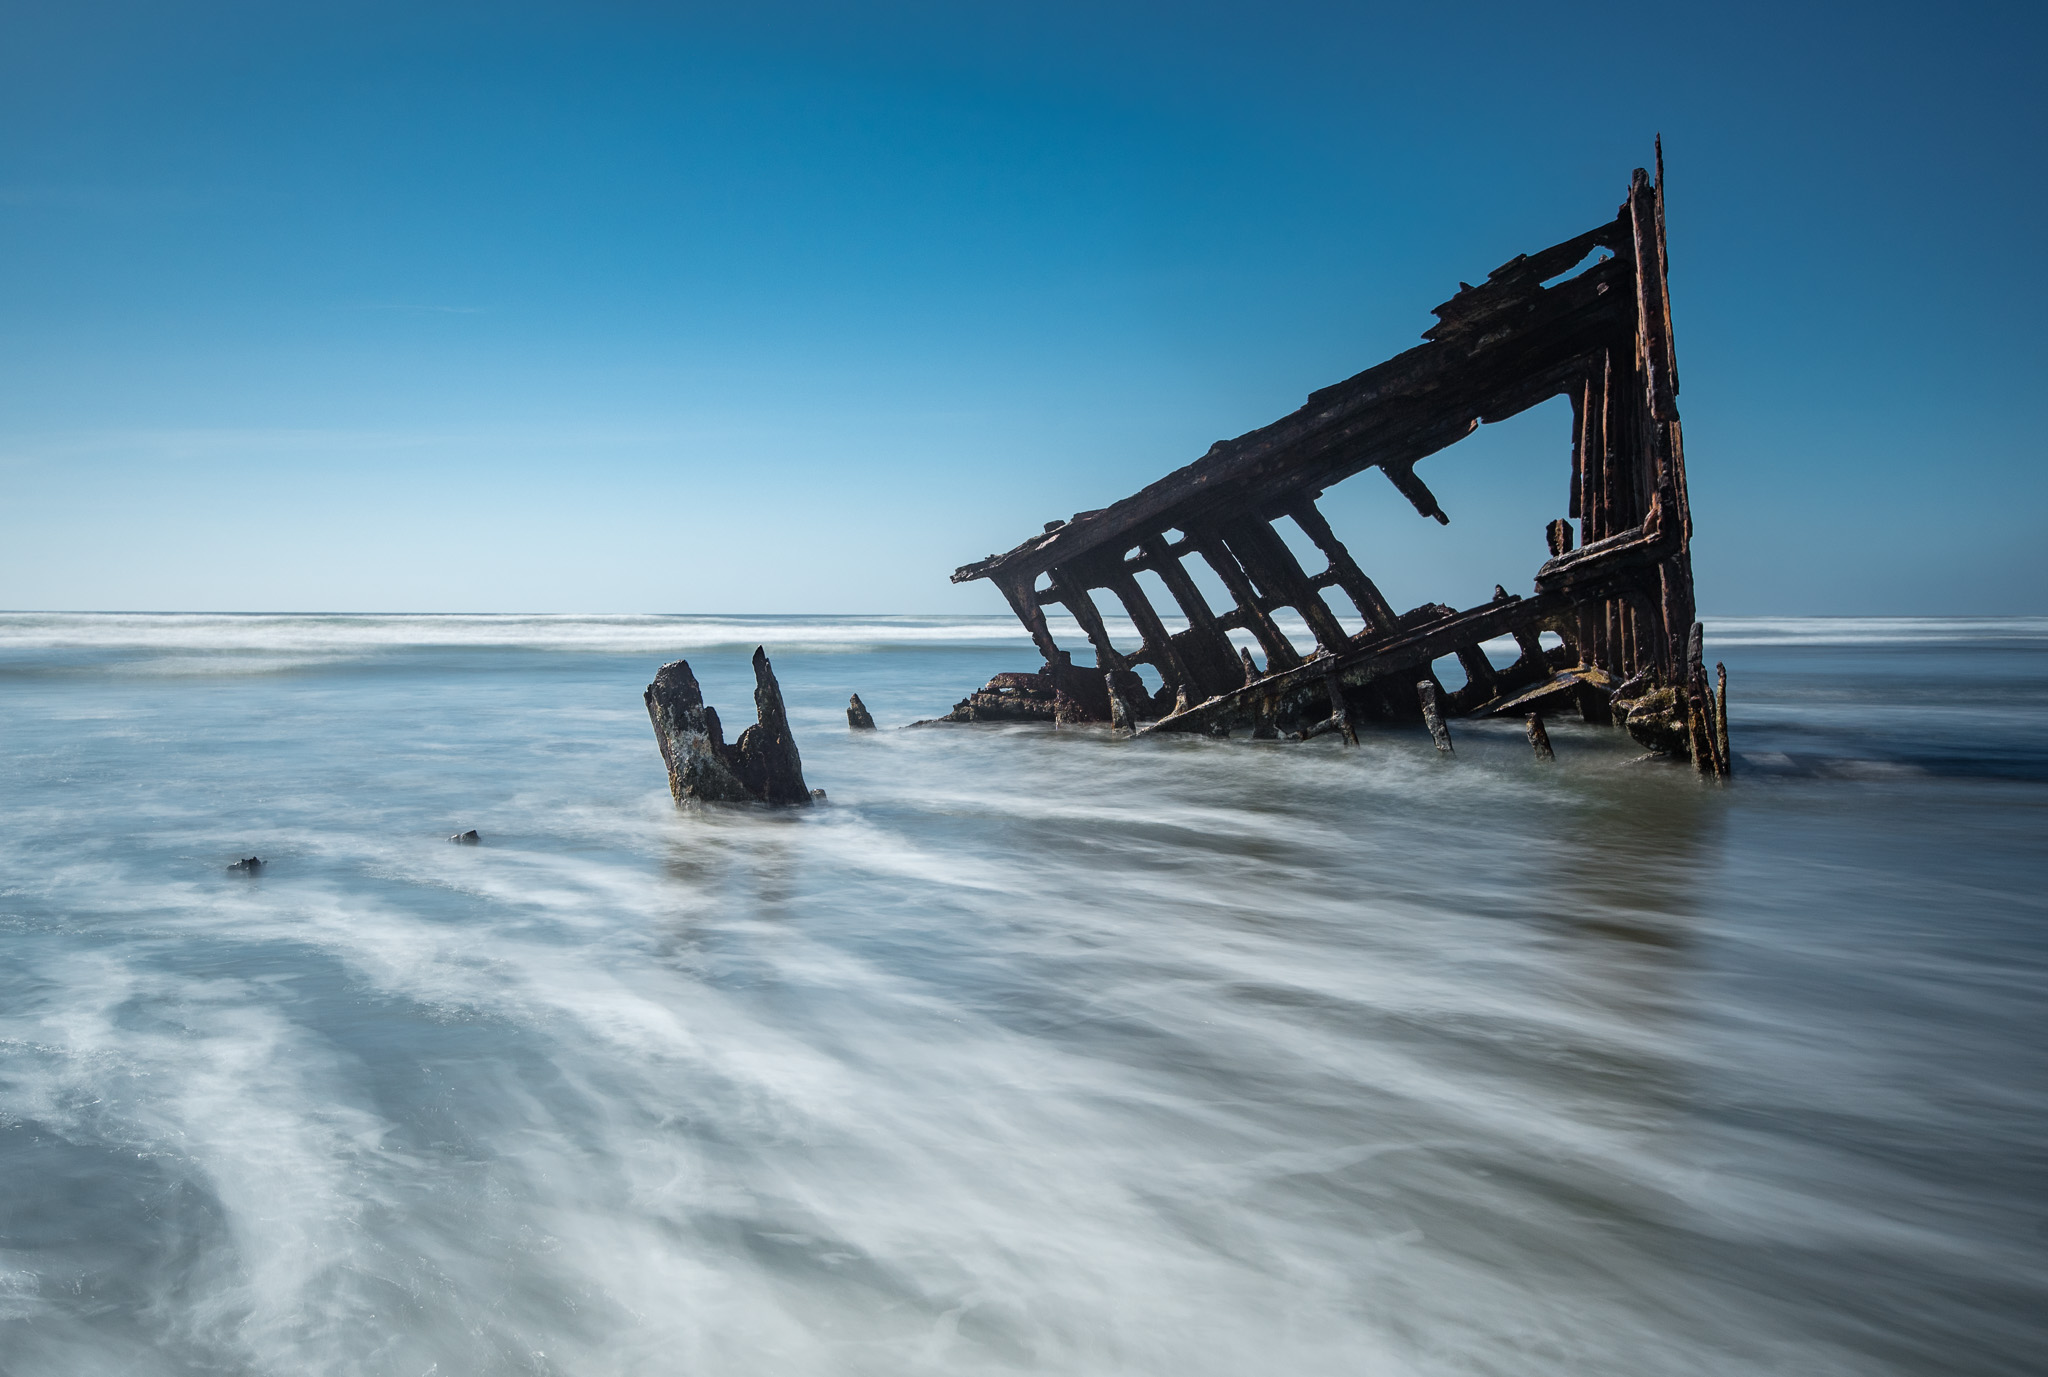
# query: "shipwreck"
{"type": "Point", "coordinates": [1588, 319]}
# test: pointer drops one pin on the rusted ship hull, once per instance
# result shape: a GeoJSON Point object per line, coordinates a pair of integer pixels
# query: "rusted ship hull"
{"type": "Point", "coordinates": [1621, 604]}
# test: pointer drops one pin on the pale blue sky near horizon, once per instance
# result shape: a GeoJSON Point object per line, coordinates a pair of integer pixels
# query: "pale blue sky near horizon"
{"type": "Point", "coordinates": [671, 308]}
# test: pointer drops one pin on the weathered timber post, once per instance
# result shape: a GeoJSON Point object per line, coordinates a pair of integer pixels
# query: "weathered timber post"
{"type": "Point", "coordinates": [1706, 716]}
{"type": "Point", "coordinates": [1122, 716]}
{"type": "Point", "coordinates": [1539, 739]}
{"type": "Point", "coordinates": [1431, 714]}
{"type": "Point", "coordinates": [691, 738]}
{"type": "Point", "coordinates": [1692, 682]}
{"type": "Point", "coordinates": [761, 767]}
{"type": "Point", "coordinates": [1262, 720]}
{"type": "Point", "coordinates": [1721, 719]}
{"type": "Point", "coordinates": [768, 759]}
{"type": "Point", "coordinates": [1340, 709]}
{"type": "Point", "coordinates": [1699, 733]}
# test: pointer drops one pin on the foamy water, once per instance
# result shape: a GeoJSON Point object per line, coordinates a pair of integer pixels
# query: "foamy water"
{"type": "Point", "coordinates": [1029, 1051]}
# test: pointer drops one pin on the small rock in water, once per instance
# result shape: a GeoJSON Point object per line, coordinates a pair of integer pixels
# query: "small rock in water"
{"type": "Point", "coordinates": [248, 865]}
{"type": "Point", "coordinates": [857, 718]}
{"type": "Point", "coordinates": [469, 838]}
{"type": "Point", "coordinates": [818, 795]}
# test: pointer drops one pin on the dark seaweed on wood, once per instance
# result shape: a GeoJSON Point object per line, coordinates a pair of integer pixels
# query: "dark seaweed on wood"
{"type": "Point", "coordinates": [1617, 590]}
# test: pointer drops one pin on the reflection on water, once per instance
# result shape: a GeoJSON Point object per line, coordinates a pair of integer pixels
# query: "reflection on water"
{"type": "Point", "coordinates": [1029, 1051]}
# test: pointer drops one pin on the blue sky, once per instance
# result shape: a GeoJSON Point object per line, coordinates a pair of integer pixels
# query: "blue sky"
{"type": "Point", "coordinates": [638, 307]}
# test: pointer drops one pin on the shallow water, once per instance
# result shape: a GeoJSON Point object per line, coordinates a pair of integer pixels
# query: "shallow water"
{"type": "Point", "coordinates": [1029, 1051]}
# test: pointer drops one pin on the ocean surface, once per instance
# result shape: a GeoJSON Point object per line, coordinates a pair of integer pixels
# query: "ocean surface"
{"type": "Point", "coordinates": [1026, 1052]}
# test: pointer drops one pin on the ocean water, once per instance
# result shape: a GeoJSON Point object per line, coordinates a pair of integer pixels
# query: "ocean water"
{"type": "Point", "coordinates": [1029, 1051]}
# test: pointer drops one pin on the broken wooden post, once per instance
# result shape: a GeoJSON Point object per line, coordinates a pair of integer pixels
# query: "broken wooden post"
{"type": "Point", "coordinates": [1721, 719]}
{"type": "Point", "coordinates": [1539, 739]}
{"type": "Point", "coordinates": [1706, 716]}
{"type": "Point", "coordinates": [761, 767]}
{"type": "Point", "coordinates": [768, 760]}
{"type": "Point", "coordinates": [1699, 731]}
{"type": "Point", "coordinates": [1340, 709]}
{"type": "Point", "coordinates": [1698, 703]}
{"type": "Point", "coordinates": [1431, 714]}
{"type": "Point", "coordinates": [857, 718]}
{"type": "Point", "coordinates": [691, 738]}
{"type": "Point", "coordinates": [1123, 716]}
{"type": "Point", "coordinates": [1263, 728]}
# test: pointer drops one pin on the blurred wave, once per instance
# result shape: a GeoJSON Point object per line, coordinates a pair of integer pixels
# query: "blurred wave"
{"type": "Point", "coordinates": [255, 643]}
{"type": "Point", "coordinates": [1030, 1050]}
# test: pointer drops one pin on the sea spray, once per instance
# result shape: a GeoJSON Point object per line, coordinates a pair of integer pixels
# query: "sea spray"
{"type": "Point", "coordinates": [1036, 1051]}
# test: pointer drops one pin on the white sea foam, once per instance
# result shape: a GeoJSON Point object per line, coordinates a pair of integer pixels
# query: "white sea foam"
{"type": "Point", "coordinates": [292, 636]}
{"type": "Point", "coordinates": [346, 634]}
{"type": "Point", "coordinates": [1029, 1051]}
{"type": "Point", "coordinates": [1874, 631]}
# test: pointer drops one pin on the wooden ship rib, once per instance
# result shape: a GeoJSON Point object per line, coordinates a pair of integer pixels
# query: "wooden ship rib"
{"type": "Point", "coordinates": [1620, 603]}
